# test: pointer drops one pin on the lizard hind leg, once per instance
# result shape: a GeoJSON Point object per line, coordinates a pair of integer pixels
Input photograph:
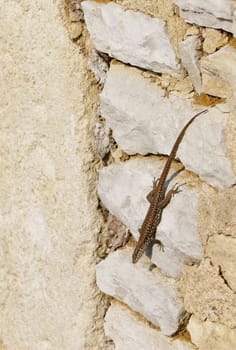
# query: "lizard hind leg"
{"type": "Point", "coordinates": [159, 243]}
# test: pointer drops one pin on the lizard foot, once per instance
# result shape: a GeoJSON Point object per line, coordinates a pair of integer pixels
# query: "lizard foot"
{"type": "Point", "coordinates": [159, 243]}
{"type": "Point", "coordinates": [155, 181]}
{"type": "Point", "coordinates": [176, 188]}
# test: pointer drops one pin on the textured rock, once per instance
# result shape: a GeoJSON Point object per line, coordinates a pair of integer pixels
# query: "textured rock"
{"type": "Point", "coordinates": [147, 292]}
{"type": "Point", "coordinates": [211, 13]}
{"type": "Point", "coordinates": [211, 336]}
{"type": "Point", "coordinates": [220, 219]}
{"type": "Point", "coordinates": [188, 50]}
{"type": "Point", "coordinates": [121, 324]}
{"type": "Point", "coordinates": [49, 223]}
{"type": "Point", "coordinates": [147, 45]}
{"type": "Point", "coordinates": [222, 251]}
{"type": "Point", "coordinates": [135, 109]}
{"type": "Point", "coordinates": [98, 66]}
{"type": "Point", "coordinates": [218, 73]}
{"type": "Point", "coordinates": [234, 22]}
{"type": "Point", "coordinates": [123, 188]}
{"type": "Point", "coordinates": [144, 121]}
{"type": "Point", "coordinates": [213, 39]}
{"type": "Point", "coordinates": [207, 295]}
{"type": "Point", "coordinates": [102, 140]}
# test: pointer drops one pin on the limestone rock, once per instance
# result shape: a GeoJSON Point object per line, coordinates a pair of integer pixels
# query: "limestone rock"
{"type": "Point", "coordinates": [123, 188]}
{"type": "Point", "coordinates": [213, 39]}
{"type": "Point", "coordinates": [211, 13]}
{"type": "Point", "coordinates": [98, 66]}
{"type": "Point", "coordinates": [48, 208]}
{"type": "Point", "coordinates": [188, 50]}
{"type": "Point", "coordinates": [211, 336]}
{"type": "Point", "coordinates": [148, 293]}
{"type": "Point", "coordinates": [222, 251]}
{"type": "Point", "coordinates": [234, 22]}
{"type": "Point", "coordinates": [131, 37]}
{"type": "Point", "coordinates": [144, 121]}
{"type": "Point", "coordinates": [122, 324]}
{"type": "Point", "coordinates": [218, 73]}
{"type": "Point", "coordinates": [75, 30]}
{"type": "Point", "coordinates": [102, 141]}
{"type": "Point", "coordinates": [207, 296]}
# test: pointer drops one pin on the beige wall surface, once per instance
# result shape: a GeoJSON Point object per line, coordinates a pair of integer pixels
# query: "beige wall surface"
{"type": "Point", "coordinates": [48, 217]}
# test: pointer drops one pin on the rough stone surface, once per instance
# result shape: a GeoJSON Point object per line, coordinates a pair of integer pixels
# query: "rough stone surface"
{"type": "Point", "coordinates": [222, 251]}
{"type": "Point", "coordinates": [147, 45]}
{"type": "Point", "coordinates": [218, 73]}
{"type": "Point", "coordinates": [211, 336]}
{"type": "Point", "coordinates": [129, 332]}
{"type": "Point", "coordinates": [188, 50]}
{"type": "Point", "coordinates": [211, 13]}
{"type": "Point", "coordinates": [144, 121]}
{"type": "Point", "coordinates": [49, 223]}
{"type": "Point", "coordinates": [123, 188]}
{"type": "Point", "coordinates": [102, 140]}
{"type": "Point", "coordinates": [149, 293]}
{"type": "Point", "coordinates": [234, 22]}
{"type": "Point", "coordinates": [98, 66]}
{"type": "Point", "coordinates": [220, 216]}
{"type": "Point", "coordinates": [213, 39]}
{"type": "Point", "coordinates": [207, 295]}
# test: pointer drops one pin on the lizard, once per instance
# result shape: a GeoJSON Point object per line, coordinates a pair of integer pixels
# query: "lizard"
{"type": "Point", "coordinates": [158, 200]}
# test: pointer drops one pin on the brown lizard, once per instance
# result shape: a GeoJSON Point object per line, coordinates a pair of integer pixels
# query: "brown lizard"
{"type": "Point", "coordinates": [158, 201]}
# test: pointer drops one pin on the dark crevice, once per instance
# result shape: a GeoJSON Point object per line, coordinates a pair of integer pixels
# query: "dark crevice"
{"type": "Point", "coordinates": [223, 278]}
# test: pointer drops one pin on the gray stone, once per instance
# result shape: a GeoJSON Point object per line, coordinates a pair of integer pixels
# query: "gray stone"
{"type": "Point", "coordinates": [218, 73]}
{"type": "Point", "coordinates": [148, 293]}
{"type": "Point", "coordinates": [123, 188]}
{"type": "Point", "coordinates": [211, 13]}
{"type": "Point", "coordinates": [144, 121]}
{"type": "Point", "coordinates": [122, 324]}
{"type": "Point", "coordinates": [98, 66]}
{"type": "Point", "coordinates": [189, 53]}
{"type": "Point", "coordinates": [131, 37]}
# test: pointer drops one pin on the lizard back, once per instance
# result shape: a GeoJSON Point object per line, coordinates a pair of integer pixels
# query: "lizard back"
{"type": "Point", "coordinates": [153, 215]}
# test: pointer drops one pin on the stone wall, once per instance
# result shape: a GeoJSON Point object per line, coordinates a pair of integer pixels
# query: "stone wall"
{"type": "Point", "coordinates": [158, 63]}
{"type": "Point", "coordinates": [48, 205]}
{"type": "Point", "coordinates": [104, 87]}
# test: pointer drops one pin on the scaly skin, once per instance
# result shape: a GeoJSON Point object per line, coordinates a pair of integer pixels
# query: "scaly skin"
{"type": "Point", "coordinates": [158, 201]}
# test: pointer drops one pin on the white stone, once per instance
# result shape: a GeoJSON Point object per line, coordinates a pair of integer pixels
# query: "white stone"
{"type": "Point", "coordinates": [136, 109]}
{"type": "Point", "coordinates": [234, 23]}
{"type": "Point", "coordinates": [211, 335]}
{"type": "Point", "coordinates": [144, 121]}
{"type": "Point", "coordinates": [98, 66]}
{"type": "Point", "coordinates": [210, 13]}
{"type": "Point", "coordinates": [102, 140]}
{"type": "Point", "coordinates": [123, 188]}
{"type": "Point", "coordinates": [204, 151]}
{"type": "Point", "coordinates": [188, 50]}
{"type": "Point", "coordinates": [131, 37]}
{"type": "Point", "coordinates": [129, 332]}
{"type": "Point", "coordinates": [219, 74]}
{"type": "Point", "coordinates": [148, 293]}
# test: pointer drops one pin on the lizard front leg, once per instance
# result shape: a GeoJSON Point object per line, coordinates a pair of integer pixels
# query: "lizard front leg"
{"type": "Point", "coordinates": [175, 189]}
{"type": "Point", "coordinates": [151, 194]}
